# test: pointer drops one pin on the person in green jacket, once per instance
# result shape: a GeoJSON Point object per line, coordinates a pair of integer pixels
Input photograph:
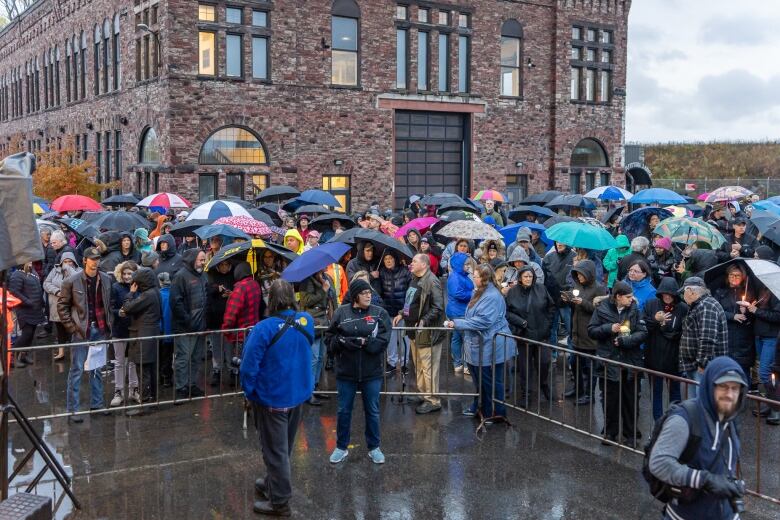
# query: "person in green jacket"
{"type": "Point", "coordinates": [613, 256]}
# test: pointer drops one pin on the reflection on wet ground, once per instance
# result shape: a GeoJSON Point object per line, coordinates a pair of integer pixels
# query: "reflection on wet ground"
{"type": "Point", "coordinates": [194, 461]}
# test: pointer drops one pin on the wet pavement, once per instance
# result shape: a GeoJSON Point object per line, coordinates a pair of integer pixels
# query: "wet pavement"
{"type": "Point", "coordinates": [195, 461]}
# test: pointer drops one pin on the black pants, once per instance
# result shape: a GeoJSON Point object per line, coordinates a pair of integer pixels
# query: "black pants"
{"type": "Point", "coordinates": [277, 439]}
{"type": "Point", "coordinates": [532, 358]}
{"type": "Point", "coordinates": [26, 337]}
{"type": "Point", "coordinates": [621, 402]}
{"type": "Point", "coordinates": [582, 373]}
{"type": "Point", "coordinates": [148, 379]}
{"type": "Point", "coordinates": [63, 336]}
{"type": "Point", "coordinates": [166, 360]}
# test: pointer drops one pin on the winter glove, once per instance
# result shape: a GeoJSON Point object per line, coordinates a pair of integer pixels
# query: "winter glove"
{"type": "Point", "coordinates": [351, 343]}
{"type": "Point", "coordinates": [719, 485]}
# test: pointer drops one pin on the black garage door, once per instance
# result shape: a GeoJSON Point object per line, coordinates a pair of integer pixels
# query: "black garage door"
{"type": "Point", "coordinates": [431, 154]}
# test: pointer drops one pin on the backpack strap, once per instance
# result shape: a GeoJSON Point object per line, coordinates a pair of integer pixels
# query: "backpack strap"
{"type": "Point", "coordinates": [289, 321]}
{"type": "Point", "coordinates": [694, 428]}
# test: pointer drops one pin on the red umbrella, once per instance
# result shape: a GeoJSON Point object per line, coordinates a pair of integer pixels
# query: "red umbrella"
{"type": "Point", "coordinates": [248, 225]}
{"type": "Point", "coordinates": [703, 196]}
{"type": "Point", "coordinates": [75, 203]}
{"type": "Point", "coordinates": [421, 224]}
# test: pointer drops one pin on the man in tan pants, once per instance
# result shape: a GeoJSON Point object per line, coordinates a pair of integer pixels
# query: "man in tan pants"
{"type": "Point", "coordinates": [424, 307]}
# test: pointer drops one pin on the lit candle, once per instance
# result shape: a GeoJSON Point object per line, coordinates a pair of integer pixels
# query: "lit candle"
{"type": "Point", "coordinates": [576, 293]}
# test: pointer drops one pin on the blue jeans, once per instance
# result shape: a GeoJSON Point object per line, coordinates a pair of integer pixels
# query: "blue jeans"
{"type": "Point", "coordinates": [482, 377]}
{"type": "Point", "coordinates": [187, 360]}
{"type": "Point", "coordinates": [317, 355]}
{"type": "Point", "coordinates": [561, 313]}
{"type": "Point", "coordinates": [765, 351]}
{"type": "Point", "coordinates": [78, 355]}
{"type": "Point", "coordinates": [658, 394]}
{"type": "Point", "coordinates": [456, 346]}
{"type": "Point", "coordinates": [370, 392]}
{"type": "Point", "coordinates": [696, 376]}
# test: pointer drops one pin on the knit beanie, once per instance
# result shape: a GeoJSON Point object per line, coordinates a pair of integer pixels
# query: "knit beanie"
{"type": "Point", "coordinates": [356, 287]}
{"type": "Point", "coordinates": [148, 259]}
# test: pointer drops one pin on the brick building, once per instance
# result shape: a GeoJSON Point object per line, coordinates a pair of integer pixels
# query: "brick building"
{"type": "Point", "coordinates": [371, 99]}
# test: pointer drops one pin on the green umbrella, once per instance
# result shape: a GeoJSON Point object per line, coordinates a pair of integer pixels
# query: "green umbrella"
{"type": "Point", "coordinates": [688, 230]}
{"type": "Point", "coordinates": [582, 235]}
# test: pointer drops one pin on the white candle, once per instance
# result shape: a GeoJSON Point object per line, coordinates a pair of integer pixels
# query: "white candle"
{"type": "Point", "coordinates": [576, 293]}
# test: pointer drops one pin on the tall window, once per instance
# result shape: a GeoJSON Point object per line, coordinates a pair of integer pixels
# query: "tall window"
{"type": "Point", "coordinates": [150, 152]}
{"type": "Point", "coordinates": [206, 51]}
{"type": "Point", "coordinates": [117, 54]}
{"type": "Point", "coordinates": [233, 59]}
{"type": "Point", "coordinates": [67, 71]}
{"type": "Point", "coordinates": [345, 48]}
{"type": "Point", "coordinates": [592, 51]}
{"type": "Point", "coordinates": [45, 80]}
{"type": "Point", "coordinates": [444, 62]}
{"type": "Point", "coordinates": [207, 188]}
{"type": "Point", "coordinates": [98, 157]}
{"type": "Point", "coordinates": [96, 36]}
{"type": "Point", "coordinates": [423, 52]}
{"type": "Point", "coordinates": [83, 73]}
{"type": "Point", "coordinates": [401, 58]}
{"type": "Point", "coordinates": [464, 62]}
{"type": "Point", "coordinates": [339, 187]}
{"type": "Point", "coordinates": [106, 46]}
{"type": "Point", "coordinates": [233, 145]}
{"type": "Point", "coordinates": [117, 155]}
{"type": "Point", "coordinates": [511, 38]}
{"type": "Point", "coordinates": [234, 185]}
{"type": "Point", "coordinates": [259, 57]}
{"type": "Point", "coordinates": [57, 75]}
{"type": "Point", "coordinates": [108, 143]}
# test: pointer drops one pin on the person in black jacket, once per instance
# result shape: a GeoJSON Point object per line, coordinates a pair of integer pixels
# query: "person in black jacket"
{"type": "Point", "coordinates": [218, 290]}
{"type": "Point", "coordinates": [618, 326]}
{"type": "Point", "coordinates": [557, 268]}
{"type": "Point", "coordinates": [358, 337]}
{"type": "Point", "coordinates": [395, 279]}
{"type": "Point", "coordinates": [25, 285]}
{"type": "Point", "coordinates": [189, 305]}
{"type": "Point", "coordinates": [317, 299]}
{"type": "Point", "coordinates": [734, 297]}
{"type": "Point", "coordinates": [664, 317]}
{"type": "Point", "coordinates": [529, 311]}
{"type": "Point", "coordinates": [123, 273]}
{"type": "Point", "coordinates": [738, 243]}
{"type": "Point", "coordinates": [170, 260]}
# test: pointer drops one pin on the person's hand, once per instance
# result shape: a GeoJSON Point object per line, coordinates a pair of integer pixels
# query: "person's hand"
{"type": "Point", "coordinates": [752, 307]}
{"type": "Point", "coordinates": [734, 253]}
{"type": "Point", "coordinates": [396, 320]}
{"type": "Point", "coordinates": [504, 291]}
{"type": "Point", "coordinates": [449, 324]}
{"type": "Point", "coordinates": [719, 485]}
{"type": "Point", "coordinates": [577, 300]}
{"type": "Point", "coordinates": [122, 313]}
{"type": "Point", "coordinates": [680, 267]}
{"type": "Point", "coordinates": [616, 341]}
{"type": "Point", "coordinates": [133, 287]}
{"type": "Point", "coordinates": [740, 318]}
{"type": "Point", "coordinates": [374, 274]}
{"type": "Point", "coordinates": [616, 327]}
{"type": "Point", "coordinates": [325, 285]}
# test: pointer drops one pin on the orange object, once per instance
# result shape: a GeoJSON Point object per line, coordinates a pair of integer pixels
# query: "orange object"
{"type": "Point", "coordinates": [13, 301]}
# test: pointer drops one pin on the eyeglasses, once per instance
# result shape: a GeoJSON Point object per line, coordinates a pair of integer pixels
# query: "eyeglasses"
{"type": "Point", "coordinates": [367, 292]}
{"type": "Point", "coordinates": [636, 271]}
{"type": "Point", "coordinates": [735, 275]}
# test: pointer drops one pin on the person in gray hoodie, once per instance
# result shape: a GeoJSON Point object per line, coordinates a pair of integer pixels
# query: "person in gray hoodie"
{"type": "Point", "coordinates": [170, 260]}
{"type": "Point", "coordinates": [516, 261]}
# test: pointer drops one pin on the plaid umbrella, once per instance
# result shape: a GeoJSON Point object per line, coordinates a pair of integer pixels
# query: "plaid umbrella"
{"type": "Point", "coordinates": [727, 193]}
{"type": "Point", "coordinates": [470, 229]}
{"type": "Point", "coordinates": [687, 230]}
{"type": "Point", "coordinates": [488, 195]}
{"type": "Point", "coordinates": [248, 225]}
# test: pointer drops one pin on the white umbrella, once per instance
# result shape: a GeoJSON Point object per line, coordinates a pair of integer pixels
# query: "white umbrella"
{"type": "Point", "coordinates": [217, 209]}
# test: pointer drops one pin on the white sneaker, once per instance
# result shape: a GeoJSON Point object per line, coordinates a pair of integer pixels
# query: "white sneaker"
{"type": "Point", "coordinates": [459, 369]}
{"type": "Point", "coordinates": [466, 371]}
{"type": "Point", "coordinates": [117, 399]}
{"type": "Point", "coordinates": [376, 456]}
{"type": "Point", "coordinates": [135, 395]}
{"type": "Point", "coordinates": [338, 455]}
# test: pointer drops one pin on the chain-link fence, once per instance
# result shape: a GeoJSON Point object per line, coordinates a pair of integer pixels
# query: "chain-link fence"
{"type": "Point", "coordinates": [767, 187]}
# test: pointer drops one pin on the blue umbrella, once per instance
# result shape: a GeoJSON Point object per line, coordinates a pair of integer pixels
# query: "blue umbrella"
{"type": "Point", "coordinates": [775, 199]}
{"type": "Point", "coordinates": [510, 232]}
{"type": "Point", "coordinates": [319, 197]}
{"type": "Point", "coordinates": [768, 205]}
{"type": "Point", "coordinates": [217, 209]}
{"type": "Point", "coordinates": [213, 230]}
{"type": "Point", "coordinates": [635, 223]}
{"type": "Point", "coordinates": [657, 196]}
{"type": "Point", "coordinates": [314, 260]}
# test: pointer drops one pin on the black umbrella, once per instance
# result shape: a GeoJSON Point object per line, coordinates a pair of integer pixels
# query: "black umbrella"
{"type": "Point", "coordinates": [264, 217]}
{"type": "Point", "coordinates": [571, 201]}
{"type": "Point", "coordinates": [453, 204]}
{"type": "Point", "coordinates": [696, 210]}
{"type": "Point", "coordinates": [760, 272]}
{"type": "Point", "coordinates": [238, 200]}
{"type": "Point", "coordinates": [773, 233]}
{"type": "Point", "coordinates": [557, 219]}
{"type": "Point", "coordinates": [617, 210]}
{"type": "Point", "coordinates": [272, 210]}
{"type": "Point", "coordinates": [188, 227]}
{"type": "Point", "coordinates": [312, 209]}
{"type": "Point", "coordinates": [121, 221]}
{"type": "Point", "coordinates": [81, 227]}
{"type": "Point", "coordinates": [249, 251]}
{"type": "Point", "coordinates": [438, 199]}
{"type": "Point", "coordinates": [540, 198]}
{"type": "Point", "coordinates": [325, 222]}
{"type": "Point", "coordinates": [125, 199]}
{"type": "Point", "coordinates": [277, 194]}
{"type": "Point", "coordinates": [519, 213]}
{"type": "Point", "coordinates": [381, 241]}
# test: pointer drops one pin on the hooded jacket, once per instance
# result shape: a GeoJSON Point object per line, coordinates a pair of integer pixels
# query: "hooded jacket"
{"type": "Point", "coordinates": [459, 287]}
{"type": "Point", "coordinates": [582, 313]}
{"type": "Point", "coordinates": [557, 267]}
{"type": "Point", "coordinates": [170, 260]}
{"type": "Point", "coordinates": [141, 241]}
{"type": "Point", "coordinates": [628, 349]}
{"type": "Point", "coordinates": [144, 309]}
{"type": "Point", "coordinates": [359, 263]}
{"type": "Point", "coordinates": [643, 289]}
{"type": "Point", "coordinates": [740, 338]}
{"type": "Point", "coordinates": [217, 300]}
{"type": "Point", "coordinates": [662, 349]}
{"type": "Point", "coordinates": [119, 292]}
{"type": "Point", "coordinates": [295, 234]}
{"type": "Point", "coordinates": [394, 282]}
{"type": "Point", "coordinates": [358, 339]}
{"type": "Point", "coordinates": [113, 255]}
{"type": "Point", "coordinates": [718, 451]}
{"type": "Point", "coordinates": [53, 283]}
{"type": "Point", "coordinates": [188, 297]}
{"type": "Point", "coordinates": [483, 321]}
{"type": "Point", "coordinates": [27, 287]}
{"type": "Point", "coordinates": [520, 254]}
{"type": "Point", "coordinates": [529, 310]}
{"type": "Point", "coordinates": [415, 248]}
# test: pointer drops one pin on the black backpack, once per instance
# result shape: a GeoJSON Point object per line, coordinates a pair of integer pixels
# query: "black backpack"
{"type": "Point", "coordinates": [661, 490]}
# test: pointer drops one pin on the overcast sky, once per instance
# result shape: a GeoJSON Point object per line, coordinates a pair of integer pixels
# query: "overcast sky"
{"type": "Point", "coordinates": [703, 70]}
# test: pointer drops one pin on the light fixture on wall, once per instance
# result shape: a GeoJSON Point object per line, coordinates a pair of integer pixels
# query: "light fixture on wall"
{"type": "Point", "coordinates": [90, 126]}
{"type": "Point", "coordinates": [338, 162]}
{"type": "Point", "coordinates": [123, 120]}
{"type": "Point", "coordinates": [530, 64]}
{"type": "Point", "coordinates": [519, 164]}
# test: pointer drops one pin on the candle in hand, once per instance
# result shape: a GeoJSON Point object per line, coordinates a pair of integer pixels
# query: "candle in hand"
{"type": "Point", "coordinates": [576, 293]}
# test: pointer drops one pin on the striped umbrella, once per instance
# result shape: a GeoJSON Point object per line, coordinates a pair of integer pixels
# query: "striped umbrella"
{"type": "Point", "coordinates": [488, 195]}
{"type": "Point", "coordinates": [727, 193]}
{"type": "Point", "coordinates": [687, 230]}
{"type": "Point", "coordinates": [165, 200]}
{"type": "Point", "coordinates": [609, 193]}
{"type": "Point", "coordinates": [248, 225]}
{"type": "Point", "coordinates": [217, 209]}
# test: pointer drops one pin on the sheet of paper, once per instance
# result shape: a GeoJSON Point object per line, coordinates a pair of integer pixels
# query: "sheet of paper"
{"type": "Point", "coordinates": [96, 358]}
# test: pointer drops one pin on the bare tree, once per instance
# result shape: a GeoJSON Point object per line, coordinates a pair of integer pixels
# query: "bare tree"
{"type": "Point", "coordinates": [13, 8]}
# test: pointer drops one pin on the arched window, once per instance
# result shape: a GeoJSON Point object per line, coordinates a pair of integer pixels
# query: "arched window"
{"type": "Point", "coordinates": [57, 75]}
{"type": "Point", "coordinates": [45, 80]}
{"type": "Point", "coordinates": [345, 45]}
{"type": "Point", "coordinates": [37, 86]}
{"type": "Point", "coordinates": [233, 145]}
{"type": "Point", "coordinates": [511, 54]}
{"type": "Point", "coordinates": [117, 54]}
{"type": "Point", "coordinates": [83, 72]}
{"type": "Point", "coordinates": [68, 52]}
{"type": "Point", "coordinates": [96, 37]}
{"type": "Point", "coordinates": [150, 152]}
{"type": "Point", "coordinates": [589, 153]}
{"type": "Point", "coordinates": [106, 45]}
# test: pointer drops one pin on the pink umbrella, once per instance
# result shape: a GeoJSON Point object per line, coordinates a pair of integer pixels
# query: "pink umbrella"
{"type": "Point", "coordinates": [421, 224]}
{"type": "Point", "coordinates": [703, 196]}
{"type": "Point", "coordinates": [75, 203]}
{"type": "Point", "coordinates": [248, 225]}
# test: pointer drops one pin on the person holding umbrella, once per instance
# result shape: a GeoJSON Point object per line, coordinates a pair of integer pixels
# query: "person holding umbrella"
{"type": "Point", "coordinates": [490, 211]}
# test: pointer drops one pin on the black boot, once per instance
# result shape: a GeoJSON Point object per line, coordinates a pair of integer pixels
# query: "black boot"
{"type": "Point", "coordinates": [267, 508]}
{"type": "Point", "coordinates": [773, 418]}
{"type": "Point", "coordinates": [215, 377]}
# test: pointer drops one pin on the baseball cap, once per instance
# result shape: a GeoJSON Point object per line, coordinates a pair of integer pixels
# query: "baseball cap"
{"type": "Point", "coordinates": [732, 376]}
{"type": "Point", "coordinates": [740, 220]}
{"type": "Point", "coordinates": [92, 253]}
{"type": "Point", "coordinates": [693, 281]}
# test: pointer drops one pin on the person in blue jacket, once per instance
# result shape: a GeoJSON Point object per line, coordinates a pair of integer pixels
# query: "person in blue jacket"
{"type": "Point", "coordinates": [277, 379]}
{"type": "Point", "coordinates": [459, 291]}
{"type": "Point", "coordinates": [641, 282]}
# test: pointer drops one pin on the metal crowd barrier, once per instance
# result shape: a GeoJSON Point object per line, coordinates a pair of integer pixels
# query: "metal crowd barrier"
{"type": "Point", "coordinates": [590, 418]}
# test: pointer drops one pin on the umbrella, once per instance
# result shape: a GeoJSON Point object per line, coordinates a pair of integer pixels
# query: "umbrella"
{"type": "Point", "coordinates": [40, 200]}
{"type": "Point", "coordinates": [510, 232]}
{"type": "Point", "coordinates": [125, 199]}
{"type": "Point", "coordinates": [319, 197]}
{"type": "Point", "coordinates": [635, 223]}
{"type": "Point", "coordinates": [165, 200]}
{"type": "Point", "coordinates": [617, 210]}
{"type": "Point", "coordinates": [609, 193]}
{"type": "Point", "coordinates": [728, 193]}
{"type": "Point", "coordinates": [581, 235]}
{"type": "Point", "coordinates": [120, 221]}
{"type": "Point", "coordinates": [763, 220]}
{"type": "Point", "coordinates": [213, 230]}
{"type": "Point", "coordinates": [592, 222]}
{"type": "Point", "coordinates": [470, 229]}
{"type": "Point", "coordinates": [703, 196]}
{"type": "Point", "coordinates": [557, 219]}
{"type": "Point", "coordinates": [693, 209]}
{"type": "Point", "coordinates": [52, 226]}
{"type": "Point", "coordinates": [325, 222]}
{"type": "Point", "coordinates": [238, 200]}
{"type": "Point", "coordinates": [217, 209]}
{"type": "Point", "coordinates": [541, 198]}
{"type": "Point", "coordinates": [277, 193]}
{"type": "Point", "coordinates": [678, 211]}
{"type": "Point", "coordinates": [75, 203]}
{"type": "Point", "coordinates": [519, 213]}
{"type": "Point", "coordinates": [188, 227]}
{"type": "Point", "coordinates": [488, 195]}
{"type": "Point", "coordinates": [80, 227]}
{"type": "Point", "coordinates": [453, 204]}
{"type": "Point", "coordinates": [272, 210]}
{"type": "Point", "coordinates": [775, 199]}
{"type": "Point", "coordinates": [570, 201]}
{"type": "Point", "coordinates": [773, 233]}
{"type": "Point", "coordinates": [312, 209]}
{"type": "Point", "coordinates": [263, 217]}
{"type": "Point", "coordinates": [767, 205]}
{"type": "Point", "coordinates": [657, 196]}
{"type": "Point", "coordinates": [411, 200]}
{"type": "Point", "coordinates": [248, 225]}
{"type": "Point", "coordinates": [40, 208]}
{"type": "Point", "coordinates": [250, 251]}
{"type": "Point", "coordinates": [421, 224]}
{"type": "Point", "coordinates": [763, 272]}
{"type": "Point", "coordinates": [438, 199]}
{"type": "Point", "coordinates": [314, 260]}
{"type": "Point", "coordinates": [687, 230]}
{"type": "Point", "coordinates": [381, 241]}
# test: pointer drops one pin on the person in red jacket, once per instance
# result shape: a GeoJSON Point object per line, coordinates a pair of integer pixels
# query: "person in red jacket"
{"type": "Point", "coordinates": [243, 307]}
